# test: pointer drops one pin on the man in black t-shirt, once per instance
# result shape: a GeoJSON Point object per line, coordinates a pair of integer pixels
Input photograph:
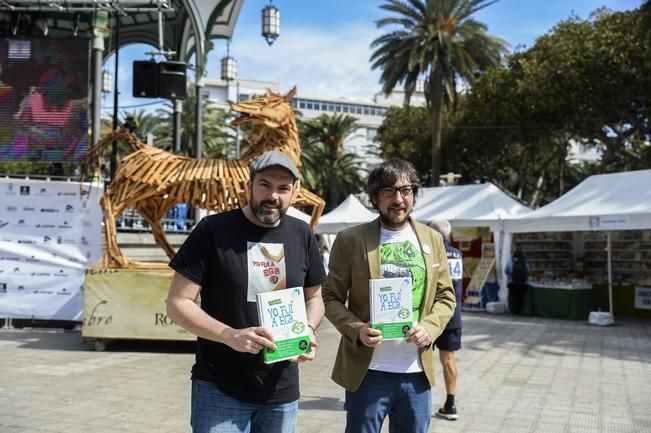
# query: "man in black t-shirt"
{"type": "Point", "coordinates": [227, 259]}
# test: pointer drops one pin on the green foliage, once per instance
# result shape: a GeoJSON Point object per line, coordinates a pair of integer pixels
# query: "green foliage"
{"type": "Point", "coordinates": [328, 170]}
{"type": "Point", "coordinates": [217, 134]}
{"type": "Point", "coordinates": [586, 81]}
{"type": "Point", "coordinates": [439, 40]}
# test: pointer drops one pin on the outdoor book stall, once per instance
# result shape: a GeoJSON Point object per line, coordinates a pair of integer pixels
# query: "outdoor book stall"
{"type": "Point", "coordinates": [591, 248]}
{"type": "Point", "coordinates": [476, 213]}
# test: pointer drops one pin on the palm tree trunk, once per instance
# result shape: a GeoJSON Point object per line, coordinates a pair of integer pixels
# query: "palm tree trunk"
{"type": "Point", "coordinates": [436, 90]}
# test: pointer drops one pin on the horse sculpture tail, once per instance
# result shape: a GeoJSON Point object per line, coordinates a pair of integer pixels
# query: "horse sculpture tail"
{"type": "Point", "coordinates": [94, 158]}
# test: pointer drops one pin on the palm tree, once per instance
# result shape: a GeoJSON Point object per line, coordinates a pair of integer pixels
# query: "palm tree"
{"type": "Point", "coordinates": [216, 131]}
{"type": "Point", "coordinates": [323, 142]}
{"type": "Point", "coordinates": [437, 39]}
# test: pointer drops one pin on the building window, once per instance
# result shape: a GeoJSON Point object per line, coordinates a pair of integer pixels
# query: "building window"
{"type": "Point", "coordinates": [345, 108]}
{"type": "Point", "coordinates": [370, 134]}
{"type": "Point", "coordinates": [244, 97]}
{"type": "Point", "coordinates": [366, 111]}
{"type": "Point", "coordinates": [301, 104]}
{"type": "Point", "coordinates": [359, 110]}
{"type": "Point", "coordinates": [331, 107]}
{"type": "Point", "coordinates": [309, 105]}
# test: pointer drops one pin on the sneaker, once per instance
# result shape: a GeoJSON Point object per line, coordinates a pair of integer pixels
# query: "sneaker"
{"type": "Point", "coordinates": [448, 412]}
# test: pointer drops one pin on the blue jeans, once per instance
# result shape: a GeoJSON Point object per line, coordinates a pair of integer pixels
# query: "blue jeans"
{"type": "Point", "coordinates": [405, 397]}
{"type": "Point", "coordinates": [215, 412]}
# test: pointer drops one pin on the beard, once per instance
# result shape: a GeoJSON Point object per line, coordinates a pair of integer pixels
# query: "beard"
{"type": "Point", "coordinates": [390, 222]}
{"type": "Point", "coordinates": [265, 214]}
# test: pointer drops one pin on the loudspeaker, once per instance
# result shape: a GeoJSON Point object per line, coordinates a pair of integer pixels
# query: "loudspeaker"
{"type": "Point", "coordinates": [172, 80]}
{"type": "Point", "coordinates": [145, 79]}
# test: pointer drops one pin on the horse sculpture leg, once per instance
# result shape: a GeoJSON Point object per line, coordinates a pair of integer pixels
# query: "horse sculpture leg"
{"type": "Point", "coordinates": [113, 252]}
{"type": "Point", "coordinates": [152, 213]}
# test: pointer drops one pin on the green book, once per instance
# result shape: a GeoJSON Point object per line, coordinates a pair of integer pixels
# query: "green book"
{"type": "Point", "coordinates": [283, 313]}
{"type": "Point", "coordinates": [391, 306]}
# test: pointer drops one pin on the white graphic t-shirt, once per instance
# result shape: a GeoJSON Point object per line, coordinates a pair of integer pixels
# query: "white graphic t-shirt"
{"type": "Point", "coordinates": [266, 268]}
{"type": "Point", "coordinates": [401, 257]}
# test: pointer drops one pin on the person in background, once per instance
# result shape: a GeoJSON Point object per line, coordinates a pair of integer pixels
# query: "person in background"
{"type": "Point", "coordinates": [388, 378]}
{"type": "Point", "coordinates": [450, 340]}
{"type": "Point", "coordinates": [227, 259]}
{"type": "Point", "coordinates": [517, 272]}
{"type": "Point", "coordinates": [325, 256]}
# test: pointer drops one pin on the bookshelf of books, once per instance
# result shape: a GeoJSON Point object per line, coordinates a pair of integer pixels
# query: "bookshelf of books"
{"type": "Point", "coordinates": [550, 254]}
{"type": "Point", "coordinates": [630, 256]}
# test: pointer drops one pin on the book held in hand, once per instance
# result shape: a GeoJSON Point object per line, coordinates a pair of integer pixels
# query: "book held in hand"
{"type": "Point", "coordinates": [283, 313]}
{"type": "Point", "coordinates": [391, 306]}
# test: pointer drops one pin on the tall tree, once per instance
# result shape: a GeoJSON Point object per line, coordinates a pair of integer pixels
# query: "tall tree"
{"type": "Point", "coordinates": [323, 142]}
{"type": "Point", "coordinates": [437, 39]}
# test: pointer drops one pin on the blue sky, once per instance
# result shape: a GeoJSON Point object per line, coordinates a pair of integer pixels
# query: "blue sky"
{"type": "Point", "coordinates": [323, 46]}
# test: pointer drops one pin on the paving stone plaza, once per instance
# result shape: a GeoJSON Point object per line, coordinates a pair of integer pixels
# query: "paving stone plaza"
{"type": "Point", "coordinates": [516, 375]}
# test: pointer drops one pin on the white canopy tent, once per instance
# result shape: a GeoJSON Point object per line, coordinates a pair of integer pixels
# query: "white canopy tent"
{"type": "Point", "coordinates": [349, 213]}
{"type": "Point", "coordinates": [617, 201]}
{"type": "Point", "coordinates": [481, 205]}
{"type": "Point", "coordinates": [292, 211]}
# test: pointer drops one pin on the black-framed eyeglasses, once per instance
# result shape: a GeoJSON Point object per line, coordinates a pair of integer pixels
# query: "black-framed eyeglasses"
{"type": "Point", "coordinates": [405, 191]}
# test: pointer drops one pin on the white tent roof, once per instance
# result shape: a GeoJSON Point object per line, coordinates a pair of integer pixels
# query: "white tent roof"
{"type": "Point", "coordinates": [618, 201]}
{"type": "Point", "coordinates": [467, 205]}
{"type": "Point", "coordinates": [292, 211]}
{"type": "Point", "coordinates": [349, 213]}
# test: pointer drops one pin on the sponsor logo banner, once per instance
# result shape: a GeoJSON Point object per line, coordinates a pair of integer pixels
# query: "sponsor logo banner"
{"type": "Point", "coordinates": [49, 234]}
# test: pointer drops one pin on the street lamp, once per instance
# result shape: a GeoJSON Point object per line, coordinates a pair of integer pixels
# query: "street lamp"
{"type": "Point", "coordinates": [106, 82]}
{"type": "Point", "coordinates": [270, 23]}
{"type": "Point", "coordinates": [228, 65]}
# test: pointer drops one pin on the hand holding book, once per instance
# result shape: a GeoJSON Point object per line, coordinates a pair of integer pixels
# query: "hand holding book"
{"type": "Point", "coordinates": [250, 340]}
{"type": "Point", "coordinates": [369, 336]}
{"type": "Point", "coordinates": [419, 336]}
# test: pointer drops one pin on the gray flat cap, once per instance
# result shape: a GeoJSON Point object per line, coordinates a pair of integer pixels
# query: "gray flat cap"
{"type": "Point", "coordinates": [271, 159]}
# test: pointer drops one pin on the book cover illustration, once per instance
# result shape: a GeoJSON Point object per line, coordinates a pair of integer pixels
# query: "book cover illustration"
{"type": "Point", "coordinates": [391, 306]}
{"type": "Point", "coordinates": [283, 313]}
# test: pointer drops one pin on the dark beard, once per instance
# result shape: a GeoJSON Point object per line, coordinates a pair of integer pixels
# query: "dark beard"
{"type": "Point", "coordinates": [265, 218]}
{"type": "Point", "coordinates": [387, 223]}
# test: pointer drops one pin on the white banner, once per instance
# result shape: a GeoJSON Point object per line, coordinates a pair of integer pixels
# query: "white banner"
{"type": "Point", "coordinates": [643, 298]}
{"type": "Point", "coordinates": [49, 233]}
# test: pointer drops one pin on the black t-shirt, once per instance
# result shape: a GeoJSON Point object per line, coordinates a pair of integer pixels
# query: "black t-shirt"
{"type": "Point", "coordinates": [231, 258]}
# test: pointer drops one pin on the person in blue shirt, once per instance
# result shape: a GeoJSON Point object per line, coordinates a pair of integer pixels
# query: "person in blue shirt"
{"type": "Point", "coordinates": [450, 340]}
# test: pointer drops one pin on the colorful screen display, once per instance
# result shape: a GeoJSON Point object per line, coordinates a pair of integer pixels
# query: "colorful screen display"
{"type": "Point", "coordinates": [43, 99]}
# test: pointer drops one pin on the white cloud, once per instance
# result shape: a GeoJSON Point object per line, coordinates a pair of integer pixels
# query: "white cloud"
{"type": "Point", "coordinates": [334, 64]}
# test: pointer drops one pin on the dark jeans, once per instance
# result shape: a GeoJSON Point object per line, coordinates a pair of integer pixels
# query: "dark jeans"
{"type": "Point", "coordinates": [406, 398]}
{"type": "Point", "coordinates": [516, 297]}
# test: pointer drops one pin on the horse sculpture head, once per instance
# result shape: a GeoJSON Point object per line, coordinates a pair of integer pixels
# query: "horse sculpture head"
{"type": "Point", "coordinates": [274, 124]}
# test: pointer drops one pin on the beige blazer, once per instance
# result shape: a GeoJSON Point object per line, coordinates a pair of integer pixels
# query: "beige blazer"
{"type": "Point", "coordinates": [354, 259]}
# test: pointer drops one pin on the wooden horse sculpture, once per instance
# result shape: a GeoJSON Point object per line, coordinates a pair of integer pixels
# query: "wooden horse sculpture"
{"type": "Point", "coordinates": [152, 180]}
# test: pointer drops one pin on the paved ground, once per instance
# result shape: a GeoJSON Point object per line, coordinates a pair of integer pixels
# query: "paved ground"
{"type": "Point", "coordinates": [517, 375]}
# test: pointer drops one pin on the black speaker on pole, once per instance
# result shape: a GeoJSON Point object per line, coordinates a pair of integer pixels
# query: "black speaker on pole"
{"type": "Point", "coordinates": [172, 80]}
{"type": "Point", "coordinates": [145, 79]}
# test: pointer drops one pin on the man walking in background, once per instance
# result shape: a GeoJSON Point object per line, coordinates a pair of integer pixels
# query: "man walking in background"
{"type": "Point", "coordinates": [450, 340]}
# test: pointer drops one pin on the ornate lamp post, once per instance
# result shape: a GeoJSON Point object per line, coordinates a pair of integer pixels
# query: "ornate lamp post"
{"type": "Point", "coordinates": [228, 65]}
{"type": "Point", "coordinates": [270, 23]}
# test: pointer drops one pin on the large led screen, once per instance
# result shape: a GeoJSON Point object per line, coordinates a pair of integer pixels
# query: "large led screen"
{"type": "Point", "coordinates": [43, 99]}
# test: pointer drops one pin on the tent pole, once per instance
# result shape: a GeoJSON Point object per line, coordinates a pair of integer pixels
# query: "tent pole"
{"type": "Point", "coordinates": [610, 276]}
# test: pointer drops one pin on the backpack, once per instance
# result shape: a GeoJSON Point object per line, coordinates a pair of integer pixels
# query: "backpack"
{"type": "Point", "coordinates": [519, 272]}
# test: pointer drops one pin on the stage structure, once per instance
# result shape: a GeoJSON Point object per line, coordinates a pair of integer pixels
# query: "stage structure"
{"type": "Point", "coordinates": [178, 28]}
{"type": "Point", "coordinates": [152, 180]}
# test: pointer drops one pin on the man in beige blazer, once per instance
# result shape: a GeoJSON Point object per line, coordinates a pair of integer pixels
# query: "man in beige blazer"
{"type": "Point", "coordinates": [392, 377]}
